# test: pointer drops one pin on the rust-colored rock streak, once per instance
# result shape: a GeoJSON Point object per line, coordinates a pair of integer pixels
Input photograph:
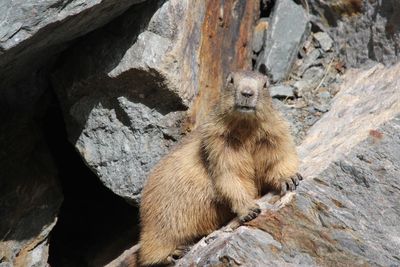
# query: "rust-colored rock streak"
{"type": "Point", "coordinates": [225, 46]}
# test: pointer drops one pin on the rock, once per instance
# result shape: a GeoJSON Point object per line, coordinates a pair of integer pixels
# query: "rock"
{"type": "Point", "coordinates": [127, 258]}
{"type": "Point", "coordinates": [363, 31]}
{"type": "Point", "coordinates": [295, 117]}
{"type": "Point", "coordinates": [259, 35]}
{"type": "Point", "coordinates": [321, 107]}
{"type": "Point", "coordinates": [32, 31]}
{"type": "Point", "coordinates": [324, 41]}
{"type": "Point", "coordinates": [311, 59]}
{"type": "Point", "coordinates": [125, 88]}
{"type": "Point", "coordinates": [346, 212]}
{"type": "Point", "coordinates": [31, 34]}
{"type": "Point", "coordinates": [288, 29]}
{"type": "Point", "coordinates": [281, 91]}
{"type": "Point", "coordinates": [324, 95]}
{"type": "Point", "coordinates": [310, 80]}
{"type": "Point", "coordinates": [30, 198]}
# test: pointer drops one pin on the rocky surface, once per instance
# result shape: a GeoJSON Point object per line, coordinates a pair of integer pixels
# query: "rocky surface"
{"type": "Point", "coordinates": [314, 80]}
{"type": "Point", "coordinates": [346, 211]}
{"type": "Point", "coordinates": [364, 31]}
{"type": "Point", "coordinates": [28, 28]}
{"type": "Point", "coordinates": [288, 29]}
{"type": "Point", "coordinates": [281, 91]}
{"type": "Point", "coordinates": [31, 35]}
{"type": "Point", "coordinates": [30, 197]}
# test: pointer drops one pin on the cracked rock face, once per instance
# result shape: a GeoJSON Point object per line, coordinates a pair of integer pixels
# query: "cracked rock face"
{"type": "Point", "coordinates": [31, 34]}
{"type": "Point", "coordinates": [125, 89]}
{"type": "Point", "coordinates": [32, 31]}
{"type": "Point", "coordinates": [346, 212]}
{"type": "Point", "coordinates": [364, 31]}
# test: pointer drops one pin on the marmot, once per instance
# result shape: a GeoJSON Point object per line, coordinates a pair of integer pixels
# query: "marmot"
{"type": "Point", "coordinates": [218, 171]}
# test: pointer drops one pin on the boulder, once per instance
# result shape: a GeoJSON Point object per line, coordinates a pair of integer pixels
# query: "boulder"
{"type": "Point", "coordinates": [288, 28]}
{"type": "Point", "coordinates": [346, 211]}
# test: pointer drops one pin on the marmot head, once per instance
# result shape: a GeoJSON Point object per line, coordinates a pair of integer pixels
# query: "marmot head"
{"type": "Point", "coordinates": [245, 93]}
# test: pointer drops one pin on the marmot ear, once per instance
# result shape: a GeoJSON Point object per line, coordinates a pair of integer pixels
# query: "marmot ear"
{"type": "Point", "coordinates": [229, 80]}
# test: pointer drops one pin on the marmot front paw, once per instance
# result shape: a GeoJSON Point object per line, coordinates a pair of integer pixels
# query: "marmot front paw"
{"type": "Point", "coordinates": [252, 214]}
{"type": "Point", "coordinates": [290, 184]}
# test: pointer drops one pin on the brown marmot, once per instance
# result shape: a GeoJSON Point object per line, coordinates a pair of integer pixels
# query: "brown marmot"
{"type": "Point", "coordinates": [218, 171]}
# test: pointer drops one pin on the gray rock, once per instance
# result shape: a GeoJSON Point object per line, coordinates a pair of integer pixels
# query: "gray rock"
{"type": "Point", "coordinates": [324, 95]}
{"type": "Point", "coordinates": [30, 198]}
{"type": "Point", "coordinates": [259, 33]}
{"type": "Point", "coordinates": [288, 29]}
{"type": "Point", "coordinates": [31, 34]}
{"type": "Point", "coordinates": [324, 41]}
{"type": "Point", "coordinates": [124, 90]}
{"type": "Point", "coordinates": [122, 139]}
{"type": "Point", "coordinates": [311, 59]}
{"type": "Point", "coordinates": [363, 31]}
{"type": "Point", "coordinates": [345, 213]}
{"type": "Point", "coordinates": [234, 249]}
{"type": "Point", "coordinates": [32, 31]}
{"type": "Point", "coordinates": [324, 107]}
{"type": "Point", "coordinates": [300, 119]}
{"type": "Point", "coordinates": [282, 91]}
{"type": "Point", "coordinates": [310, 80]}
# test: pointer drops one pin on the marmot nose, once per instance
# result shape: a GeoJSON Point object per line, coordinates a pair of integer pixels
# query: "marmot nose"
{"type": "Point", "coordinates": [247, 92]}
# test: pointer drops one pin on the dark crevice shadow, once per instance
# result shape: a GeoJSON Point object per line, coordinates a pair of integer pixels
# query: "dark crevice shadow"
{"type": "Point", "coordinates": [94, 225]}
{"type": "Point", "coordinates": [266, 7]}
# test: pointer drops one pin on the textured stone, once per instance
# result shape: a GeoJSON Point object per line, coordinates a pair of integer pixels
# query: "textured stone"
{"type": "Point", "coordinates": [31, 34]}
{"type": "Point", "coordinates": [260, 31]}
{"type": "Point", "coordinates": [310, 80]}
{"type": "Point", "coordinates": [32, 31]}
{"type": "Point", "coordinates": [127, 258]}
{"type": "Point", "coordinates": [30, 197]}
{"type": "Point", "coordinates": [311, 59]}
{"type": "Point", "coordinates": [324, 40]}
{"type": "Point", "coordinates": [363, 31]}
{"type": "Point", "coordinates": [346, 211]}
{"type": "Point", "coordinates": [282, 91]}
{"type": "Point", "coordinates": [288, 29]}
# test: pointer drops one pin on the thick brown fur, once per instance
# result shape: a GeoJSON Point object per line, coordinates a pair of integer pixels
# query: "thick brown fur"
{"type": "Point", "coordinates": [218, 171]}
